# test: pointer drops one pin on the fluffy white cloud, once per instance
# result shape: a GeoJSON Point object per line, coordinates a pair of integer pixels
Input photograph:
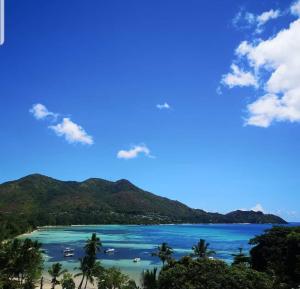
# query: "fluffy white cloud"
{"type": "Point", "coordinates": [280, 55]}
{"type": "Point", "coordinates": [258, 208]}
{"type": "Point", "coordinates": [134, 152]}
{"type": "Point", "coordinates": [163, 106]}
{"type": "Point", "coordinates": [295, 8]}
{"type": "Point", "coordinates": [276, 64]}
{"type": "Point", "coordinates": [40, 111]}
{"type": "Point", "coordinates": [72, 132]}
{"type": "Point", "coordinates": [238, 77]}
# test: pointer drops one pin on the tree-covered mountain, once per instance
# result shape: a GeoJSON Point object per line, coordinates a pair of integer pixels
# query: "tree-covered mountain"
{"type": "Point", "coordinates": [41, 200]}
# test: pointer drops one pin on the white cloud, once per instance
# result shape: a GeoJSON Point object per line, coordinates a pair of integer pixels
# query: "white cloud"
{"type": "Point", "coordinates": [275, 62]}
{"type": "Point", "coordinates": [134, 152]}
{"type": "Point", "coordinates": [40, 111]}
{"type": "Point", "coordinates": [238, 77]}
{"type": "Point", "coordinates": [163, 106]}
{"type": "Point", "coordinates": [72, 132]}
{"type": "Point", "coordinates": [267, 16]}
{"type": "Point", "coordinates": [247, 20]}
{"type": "Point", "coordinates": [295, 8]}
{"type": "Point", "coordinates": [258, 208]}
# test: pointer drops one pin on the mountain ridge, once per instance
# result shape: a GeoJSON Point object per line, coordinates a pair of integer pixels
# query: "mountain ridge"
{"type": "Point", "coordinates": [41, 200]}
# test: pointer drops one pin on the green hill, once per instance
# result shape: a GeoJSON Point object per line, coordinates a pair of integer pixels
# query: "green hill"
{"type": "Point", "coordinates": [37, 200]}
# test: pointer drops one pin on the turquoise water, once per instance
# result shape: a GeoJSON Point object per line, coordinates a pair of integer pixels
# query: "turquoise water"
{"type": "Point", "coordinates": [131, 241]}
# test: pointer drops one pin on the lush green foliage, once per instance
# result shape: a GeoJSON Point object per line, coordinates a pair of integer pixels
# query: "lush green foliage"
{"type": "Point", "coordinates": [149, 279]}
{"type": "Point", "coordinates": [201, 250]}
{"type": "Point", "coordinates": [38, 200]}
{"type": "Point", "coordinates": [164, 253]}
{"type": "Point", "coordinates": [67, 281]}
{"type": "Point", "coordinates": [241, 259]}
{"type": "Point", "coordinates": [203, 273]}
{"type": "Point", "coordinates": [113, 278]}
{"type": "Point", "coordinates": [20, 263]}
{"type": "Point", "coordinates": [277, 252]}
{"type": "Point", "coordinates": [55, 271]}
{"type": "Point", "coordinates": [89, 267]}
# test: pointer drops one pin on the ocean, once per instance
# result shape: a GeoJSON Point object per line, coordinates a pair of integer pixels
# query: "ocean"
{"type": "Point", "coordinates": [138, 241]}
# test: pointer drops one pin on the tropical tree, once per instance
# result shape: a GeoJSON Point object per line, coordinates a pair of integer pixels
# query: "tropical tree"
{"type": "Point", "coordinates": [201, 250]}
{"type": "Point", "coordinates": [164, 253]}
{"type": "Point", "coordinates": [67, 281]}
{"type": "Point", "coordinates": [88, 266]}
{"type": "Point", "coordinates": [277, 252]}
{"type": "Point", "coordinates": [92, 246]}
{"type": "Point", "coordinates": [20, 263]}
{"type": "Point", "coordinates": [113, 278]}
{"type": "Point", "coordinates": [83, 268]}
{"type": "Point", "coordinates": [55, 272]}
{"type": "Point", "coordinates": [240, 258]}
{"type": "Point", "coordinates": [149, 279]}
{"type": "Point", "coordinates": [93, 270]}
{"type": "Point", "coordinates": [202, 273]}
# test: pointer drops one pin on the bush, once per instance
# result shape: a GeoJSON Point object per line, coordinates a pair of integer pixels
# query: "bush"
{"type": "Point", "coordinates": [277, 252]}
{"type": "Point", "coordinates": [211, 274]}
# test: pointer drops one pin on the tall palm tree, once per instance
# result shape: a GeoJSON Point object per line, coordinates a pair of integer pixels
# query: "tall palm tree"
{"type": "Point", "coordinates": [55, 271]}
{"type": "Point", "coordinates": [201, 250]}
{"type": "Point", "coordinates": [164, 253]}
{"type": "Point", "coordinates": [83, 268]}
{"type": "Point", "coordinates": [88, 262]}
{"type": "Point", "coordinates": [93, 271]}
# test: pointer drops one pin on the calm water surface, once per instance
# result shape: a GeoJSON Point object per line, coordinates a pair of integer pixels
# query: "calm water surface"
{"type": "Point", "coordinates": [140, 241]}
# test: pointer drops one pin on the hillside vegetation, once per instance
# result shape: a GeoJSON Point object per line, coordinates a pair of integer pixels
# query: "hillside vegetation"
{"type": "Point", "coordinates": [37, 200]}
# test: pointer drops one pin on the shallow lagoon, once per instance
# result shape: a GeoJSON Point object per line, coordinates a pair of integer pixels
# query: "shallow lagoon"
{"type": "Point", "coordinates": [132, 241]}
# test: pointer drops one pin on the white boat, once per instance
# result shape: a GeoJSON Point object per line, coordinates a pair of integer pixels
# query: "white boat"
{"type": "Point", "coordinates": [109, 250]}
{"type": "Point", "coordinates": [135, 260]}
{"type": "Point", "coordinates": [68, 252]}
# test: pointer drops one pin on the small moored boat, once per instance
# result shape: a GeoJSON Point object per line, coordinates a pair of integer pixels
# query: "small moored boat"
{"type": "Point", "coordinates": [109, 250]}
{"type": "Point", "coordinates": [135, 260]}
{"type": "Point", "coordinates": [68, 252]}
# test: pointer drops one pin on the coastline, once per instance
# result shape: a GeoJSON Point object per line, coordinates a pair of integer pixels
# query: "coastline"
{"type": "Point", "coordinates": [132, 225]}
{"type": "Point", "coordinates": [124, 262]}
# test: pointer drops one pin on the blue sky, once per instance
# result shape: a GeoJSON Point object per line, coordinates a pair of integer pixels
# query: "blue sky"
{"type": "Point", "coordinates": [197, 101]}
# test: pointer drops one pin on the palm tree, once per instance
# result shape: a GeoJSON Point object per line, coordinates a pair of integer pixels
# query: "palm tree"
{"type": "Point", "coordinates": [149, 280]}
{"type": "Point", "coordinates": [164, 253]}
{"type": "Point", "coordinates": [240, 258]}
{"type": "Point", "coordinates": [88, 264]}
{"type": "Point", "coordinates": [92, 246]}
{"type": "Point", "coordinates": [67, 281]}
{"type": "Point", "coordinates": [55, 271]}
{"type": "Point", "coordinates": [93, 270]}
{"type": "Point", "coordinates": [83, 268]}
{"type": "Point", "coordinates": [42, 283]}
{"type": "Point", "coordinates": [201, 250]}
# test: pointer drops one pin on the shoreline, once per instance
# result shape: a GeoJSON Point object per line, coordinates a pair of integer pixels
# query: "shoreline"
{"type": "Point", "coordinates": [162, 224]}
{"type": "Point", "coordinates": [38, 228]}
